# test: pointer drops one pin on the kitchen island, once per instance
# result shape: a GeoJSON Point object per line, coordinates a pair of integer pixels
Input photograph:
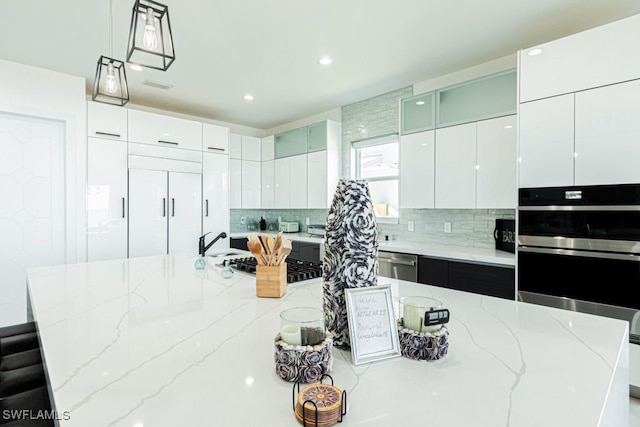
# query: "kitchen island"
{"type": "Point", "coordinates": [151, 341]}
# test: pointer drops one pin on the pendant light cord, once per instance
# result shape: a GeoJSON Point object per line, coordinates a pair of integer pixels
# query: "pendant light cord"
{"type": "Point", "coordinates": [110, 28]}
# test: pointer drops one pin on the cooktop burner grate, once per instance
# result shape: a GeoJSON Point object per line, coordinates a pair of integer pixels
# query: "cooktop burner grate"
{"type": "Point", "coordinates": [297, 270]}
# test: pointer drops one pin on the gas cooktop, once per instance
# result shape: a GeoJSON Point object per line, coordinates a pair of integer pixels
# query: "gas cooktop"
{"type": "Point", "coordinates": [297, 270]}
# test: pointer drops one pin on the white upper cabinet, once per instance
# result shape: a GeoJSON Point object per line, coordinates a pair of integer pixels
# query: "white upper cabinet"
{"type": "Point", "coordinates": [290, 181]}
{"type": "Point", "coordinates": [267, 149]}
{"type": "Point", "coordinates": [251, 148]}
{"type": "Point", "coordinates": [267, 184]}
{"type": "Point", "coordinates": [151, 128]}
{"type": "Point", "coordinates": [317, 180]}
{"type": "Point", "coordinates": [235, 146]}
{"type": "Point", "coordinates": [215, 139]}
{"type": "Point", "coordinates": [106, 121]}
{"type": "Point", "coordinates": [546, 148]}
{"type": "Point", "coordinates": [417, 170]}
{"type": "Point", "coordinates": [250, 186]}
{"type": "Point", "coordinates": [456, 167]}
{"type": "Point", "coordinates": [607, 135]}
{"type": "Point", "coordinates": [592, 58]}
{"type": "Point", "coordinates": [496, 145]}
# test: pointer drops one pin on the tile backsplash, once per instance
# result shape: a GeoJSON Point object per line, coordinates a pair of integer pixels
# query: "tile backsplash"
{"type": "Point", "coordinates": [469, 227]}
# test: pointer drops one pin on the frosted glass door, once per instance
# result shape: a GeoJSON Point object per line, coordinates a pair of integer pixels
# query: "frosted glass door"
{"type": "Point", "coordinates": [185, 204]}
{"type": "Point", "coordinates": [106, 199]}
{"type": "Point", "coordinates": [215, 195]}
{"type": "Point", "coordinates": [147, 212]}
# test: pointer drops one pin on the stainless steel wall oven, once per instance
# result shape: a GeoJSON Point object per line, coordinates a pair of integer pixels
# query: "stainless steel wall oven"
{"type": "Point", "coordinates": [579, 249]}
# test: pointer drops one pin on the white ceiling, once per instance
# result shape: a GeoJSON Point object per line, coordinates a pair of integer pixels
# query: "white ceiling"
{"type": "Point", "coordinates": [270, 48]}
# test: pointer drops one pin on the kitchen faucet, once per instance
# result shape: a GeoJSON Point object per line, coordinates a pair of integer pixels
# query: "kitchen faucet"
{"type": "Point", "coordinates": [202, 248]}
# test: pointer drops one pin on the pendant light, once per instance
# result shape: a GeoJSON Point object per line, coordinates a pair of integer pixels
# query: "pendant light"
{"type": "Point", "coordinates": [110, 84]}
{"type": "Point", "coordinates": [150, 38]}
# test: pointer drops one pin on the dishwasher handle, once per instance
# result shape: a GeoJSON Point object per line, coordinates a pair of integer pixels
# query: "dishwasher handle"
{"type": "Point", "coordinates": [397, 261]}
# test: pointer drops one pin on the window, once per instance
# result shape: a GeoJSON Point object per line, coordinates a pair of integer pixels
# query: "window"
{"type": "Point", "coordinates": [376, 161]}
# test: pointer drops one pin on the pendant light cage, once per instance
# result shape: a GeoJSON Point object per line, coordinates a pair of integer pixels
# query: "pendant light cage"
{"type": "Point", "coordinates": [150, 38]}
{"type": "Point", "coordinates": [110, 84]}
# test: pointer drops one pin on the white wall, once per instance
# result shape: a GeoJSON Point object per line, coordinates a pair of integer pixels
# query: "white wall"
{"type": "Point", "coordinates": [51, 96]}
{"type": "Point", "coordinates": [497, 65]}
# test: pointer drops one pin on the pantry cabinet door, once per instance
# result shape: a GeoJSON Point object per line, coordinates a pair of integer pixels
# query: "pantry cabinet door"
{"type": "Point", "coordinates": [185, 204]}
{"type": "Point", "coordinates": [148, 192]}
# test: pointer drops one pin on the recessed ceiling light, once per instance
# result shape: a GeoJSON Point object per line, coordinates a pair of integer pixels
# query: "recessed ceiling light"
{"type": "Point", "coordinates": [325, 60]}
{"type": "Point", "coordinates": [534, 52]}
{"type": "Point", "coordinates": [420, 103]}
{"type": "Point", "coordinates": [248, 97]}
{"type": "Point", "coordinates": [135, 67]}
{"type": "Point", "coordinates": [508, 127]}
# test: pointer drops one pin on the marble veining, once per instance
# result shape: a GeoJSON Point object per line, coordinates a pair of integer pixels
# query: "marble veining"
{"type": "Point", "coordinates": [154, 342]}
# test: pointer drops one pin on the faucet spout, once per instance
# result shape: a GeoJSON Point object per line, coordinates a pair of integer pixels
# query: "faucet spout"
{"type": "Point", "coordinates": [201, 246]}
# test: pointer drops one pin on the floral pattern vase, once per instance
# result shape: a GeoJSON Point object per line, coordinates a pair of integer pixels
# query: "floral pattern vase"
{"type": "Point", "coordinates": [350, 254]}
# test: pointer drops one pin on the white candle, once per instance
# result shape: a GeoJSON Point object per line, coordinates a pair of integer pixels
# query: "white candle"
{"type": "Point", "coordinates": [291, 334]}
{"type": "Point", "coordinates": [412, 316]}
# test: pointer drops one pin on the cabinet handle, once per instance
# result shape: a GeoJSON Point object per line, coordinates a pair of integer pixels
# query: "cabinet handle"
{"type": "Point", "coordinates": [108, 134]}
{"type": "Point", "coordinates": [396, 261]}
{"type": "Point", "coordinates": [164, 207]}
{"type": "Point", "coordinates": [215, 148]}
{"type": "Point", "coordinates": [168, 142]}
{"type": "Point", "coordinates": [123, 207]}
{"type": "Point", "coordinates": [206, 207]}
{"type": "Point", "coordinates": [173, 207]}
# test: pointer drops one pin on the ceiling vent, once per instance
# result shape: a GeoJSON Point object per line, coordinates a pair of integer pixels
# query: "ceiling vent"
{"type": "Point", "coordinates": [157, 84]}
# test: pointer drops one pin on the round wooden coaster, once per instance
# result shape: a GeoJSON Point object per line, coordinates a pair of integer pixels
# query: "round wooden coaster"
{"type": "Point", "coordinates": [327, 409]}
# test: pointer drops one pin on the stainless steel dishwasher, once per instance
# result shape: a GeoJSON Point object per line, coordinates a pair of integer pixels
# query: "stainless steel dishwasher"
{"type": "Point", "coordinates": [398, 266]}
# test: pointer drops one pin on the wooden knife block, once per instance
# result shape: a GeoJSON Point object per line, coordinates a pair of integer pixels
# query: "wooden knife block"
{"type": "Point", "coordinates": [271, 280]}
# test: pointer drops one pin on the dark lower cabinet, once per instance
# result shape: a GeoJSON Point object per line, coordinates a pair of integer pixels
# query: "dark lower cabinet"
{"type": "Point", "coordinates": [304, 251]}
{"type": "Point", "coordinates": [239, 243]}
{"type": "Point", "coordinates": [497, 281]}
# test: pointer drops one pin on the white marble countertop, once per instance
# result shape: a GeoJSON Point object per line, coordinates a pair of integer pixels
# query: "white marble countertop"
{"type": "Point", "coordinates": [153, 342]}
{"type": "Point", "coordinates": [460, 253]}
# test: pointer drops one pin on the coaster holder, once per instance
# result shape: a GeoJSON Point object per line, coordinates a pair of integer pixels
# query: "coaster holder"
{"type": "Point", "coordinates": [296, 390]}
{"type": "Point", "coordinates": [305, 363]}
{"type": "Point", "coordinates": [423, 345]}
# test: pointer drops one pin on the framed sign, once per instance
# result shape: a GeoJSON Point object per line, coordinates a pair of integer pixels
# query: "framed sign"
{"type": "Point", "coordinates": [373, 330]}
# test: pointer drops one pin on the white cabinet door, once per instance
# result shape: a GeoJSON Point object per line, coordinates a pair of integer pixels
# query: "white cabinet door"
{"type": "Point", "coordinates": [215, 196]}
{"type": "Point", "coordinates": [251, 148]}
{"type": "Point", "coordinates": [235, 183]}
{"type": "Point", "coordinates": [496, 158]}
{"type": "Point", "coordinates": [456, 167]}
{"type": "Point", "coordinates": [267, 148]}
{"type": "Point", "coordinates": [147, 212]}
{"type": "Point", "coordinates": [250, 184]}
{"type": "Point", "coordinates": [106, 199]}
{"type": "Point", "coordinates": [599, 56]}
{"type": "Point", "coordinates": [317, 180]}
{"type": "Point", "coordinates": [607, 135]}
{"type": "Point", "coordinates": [106, 121]}
{"type": "Point", "coordinates": [185, 205]}
{"type": "Point", "coordinates": [298, 182]}
{"type": "Point", "coordinates": [267, 184]}
{"type": "Point", "coordinates": [546, 147]}
{"type": "Point", "coordinates": [417, 170]}
{"type": "Point", "coordinates": [215, 139]}
{"type": "Point", "coordinates": [151, 128]}
{"type": "Point", "coordinates": [235, 146]}
{"type": "Point", "coordinates": [282, 186]}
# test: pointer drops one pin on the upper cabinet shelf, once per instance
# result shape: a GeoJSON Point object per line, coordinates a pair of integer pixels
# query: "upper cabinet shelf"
{"type": "Point", "coordinates": [480, 99]}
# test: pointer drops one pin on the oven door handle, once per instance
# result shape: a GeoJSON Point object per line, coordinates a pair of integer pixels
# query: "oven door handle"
{"type": "Point", "coordinates": [586, 254]}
